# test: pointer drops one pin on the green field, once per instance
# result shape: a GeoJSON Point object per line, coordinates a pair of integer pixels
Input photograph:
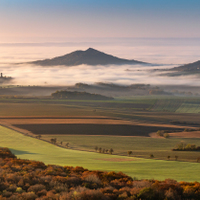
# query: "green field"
{"type": "Point", "coordinates": [141, 147]}
{"type": "Point", "coordinates": [135, 103]}
{"type": "Point", "coordinates": [30, 148]}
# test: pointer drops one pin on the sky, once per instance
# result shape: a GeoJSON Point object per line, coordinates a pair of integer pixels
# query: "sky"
{"type": "Point", "coordinates": [62, 20]}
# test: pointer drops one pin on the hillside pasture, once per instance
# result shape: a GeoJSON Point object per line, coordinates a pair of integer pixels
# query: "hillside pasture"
{"type": "Point", "coordinates": [30, 148]}
{"type": "Point", "coordinates": [141, 147]}
{"type": "Point", "coordinates": [189, 108]}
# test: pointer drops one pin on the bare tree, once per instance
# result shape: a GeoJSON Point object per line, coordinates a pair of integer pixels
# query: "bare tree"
{"type": "Point", "coordinates": [53, 140]}
{"type": "Point", "coordinates": [96, 148]}
{"type": "Point", "coordinates": [129, 153]}
{"type": "Point", "coordinates": [111, 151]}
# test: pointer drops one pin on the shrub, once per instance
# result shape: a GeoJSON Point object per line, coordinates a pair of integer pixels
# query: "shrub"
{"type": "Point", "coordinates": [93, 179]}
{"type": "Point", "coordinates": [129, 153]}
{"type": "Point", "coordinates": [171, 194]}
{"type": "Point", "coordinates": [36, 188]}
{"type": "Point", "coordinates": [29, 195]}
{"type": "Point", "coordinates": [92, 195]}
{"type": "Point", "coordinates": [19, 190]}
{"type": "Point", "coordinates": [42, 193]}
{"type": "Point", "coordinates": [141, 184]}
{"type": "Point", "coordinates": [159, 133]}
{"type": "Point", "coordinates": [166, 135]}
{"type": "Point", "coordinates": [147, 194]}
{"type": "Point", "coordinates": [111, 151]}
{"type": "Point", "coordinates": [6, 193]}
{"type": "Point", "coordinates": [96, 148]}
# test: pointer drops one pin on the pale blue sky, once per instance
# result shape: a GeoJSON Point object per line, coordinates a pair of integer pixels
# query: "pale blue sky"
{"type": "Point", "coordinates": [98, 18]}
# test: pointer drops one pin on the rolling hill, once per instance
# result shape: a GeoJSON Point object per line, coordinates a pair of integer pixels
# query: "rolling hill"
{"type": "Point", "coordinates": [87, 57]}
{"type": "Point", "coordinates": [191, 67]}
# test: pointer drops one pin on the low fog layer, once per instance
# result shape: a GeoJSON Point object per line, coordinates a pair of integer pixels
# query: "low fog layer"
{"type": "Point", "coordinates": [60, 75]}
{"type": "Point", "coordinates": [166, 52]}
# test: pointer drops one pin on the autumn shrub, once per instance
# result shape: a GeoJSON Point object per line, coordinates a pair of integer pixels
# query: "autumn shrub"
{"type": "Point", "coordinates": [12, 188]}
{"type": "Point", "coordinates": [108, 189]}
{"type": "Point", "coordinates": [171, 194]}
{"type": "Point", "coordinates": [6, 193]}
{"type": "Point", "coordinates": [36, 188]}
{"type": "Point", "coordinates": [19, 190]}
{"type": "Point", "coordinates": [142, 184]}
{"type": "Point", "coordinates": [93, 179]}
{"type": "Point", "coordinates": [29, 195]}
{"type": "Point", "coordinates": [148, 194]}
{"type": "Point", "coordinates": [189, 192]}
{"type": "Point", "coordinates": [58, 186]}
{"type": "Point", "coordinates": [51, 195]}
{"type": "Point", "coordinates": [90, 195]}
{"type": "Point", "coordinates": [16, 197]}
{"type": "Point", "coordinates": [73, 181]}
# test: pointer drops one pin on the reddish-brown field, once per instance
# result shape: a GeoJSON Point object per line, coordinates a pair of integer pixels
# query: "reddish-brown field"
{"type": "Point", "coordinates": [84, 125]}
{"type": "Point", "coordinates": [90, 129]}
{"type": "Point", "coordinates": [192, 134]}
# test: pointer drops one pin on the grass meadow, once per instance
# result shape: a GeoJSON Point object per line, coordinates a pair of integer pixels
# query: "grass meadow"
{"type": "Point", "coordinates": [30, 148]}
{"type": "Point", "coordinates": [141, 147]}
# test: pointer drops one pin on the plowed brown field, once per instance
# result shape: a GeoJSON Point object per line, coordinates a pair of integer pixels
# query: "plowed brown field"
{"type": "Point", "coordinates": [84, 125]}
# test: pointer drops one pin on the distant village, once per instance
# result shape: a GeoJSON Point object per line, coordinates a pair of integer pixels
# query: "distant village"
{"type": "Point", "coordinates": [4, 78]}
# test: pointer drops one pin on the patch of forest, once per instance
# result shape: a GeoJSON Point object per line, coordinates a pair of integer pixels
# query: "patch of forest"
{"type": "Point", "coordinates": [26, 179]}
{"type": "Point", "coordinates": [186, 147]}
{"type": "Point", "coordinates": [63, 94]}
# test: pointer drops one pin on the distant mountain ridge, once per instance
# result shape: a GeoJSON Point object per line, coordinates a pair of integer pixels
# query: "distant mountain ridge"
{"type": "Point", "coordinates": [191, 67]}
{"type": "Point", "coordinates": [87, 57]}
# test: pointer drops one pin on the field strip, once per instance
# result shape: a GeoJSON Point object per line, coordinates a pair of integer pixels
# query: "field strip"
{"type": "Point", "coordinates": [57, 117]}
{"type": "Point", "coordinates": [192, 134]}
{"type": "Point", "coordinates": [95, 135]}
{"type": "Point", "coordinates": [84, 120]}
{"type": "Point", "coordinates": [65, 121]}
{"type": "Point", "coordinates": [34, 149]}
